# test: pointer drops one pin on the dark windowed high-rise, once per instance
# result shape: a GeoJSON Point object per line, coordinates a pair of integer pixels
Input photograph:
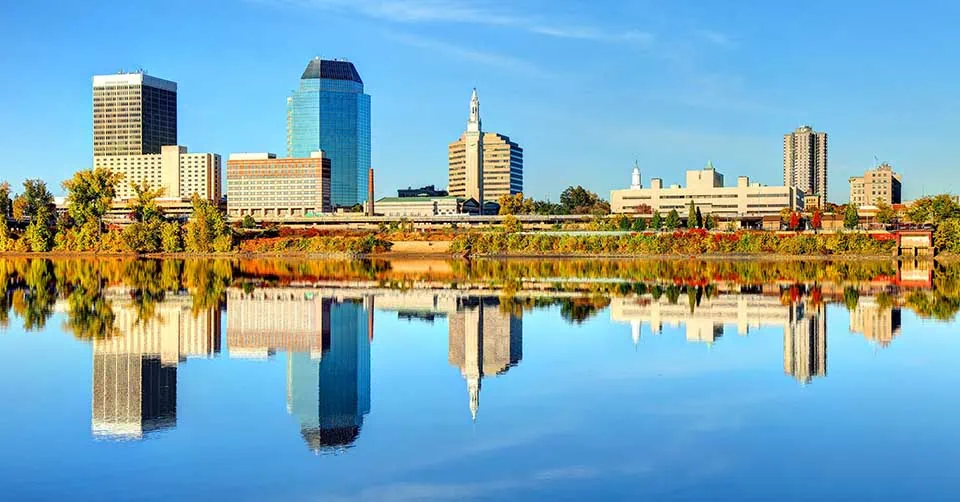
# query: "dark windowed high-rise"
{"type": "Point", "coordinates": [133, 114]}
{"type": "Point", "coordinates": [330, 112]}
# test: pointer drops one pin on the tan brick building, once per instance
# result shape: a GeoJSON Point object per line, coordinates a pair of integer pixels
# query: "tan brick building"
{"type": "Point", "coordinates": [879, 184]}
{"type": "Point", "coordinates": [181, 174]}
{"type": "Point", "coordinates": [263, 186]}
{"type": "Point", "coordinates": [501, 160]}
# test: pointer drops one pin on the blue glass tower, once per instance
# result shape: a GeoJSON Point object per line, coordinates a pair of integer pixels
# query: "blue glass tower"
{"type": "Point", "coordinates": [330, 112]}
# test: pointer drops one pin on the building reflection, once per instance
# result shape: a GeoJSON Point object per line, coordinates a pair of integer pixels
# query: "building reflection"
{"type": "Point", "coordinates": [135, 372]}
{"type": "Point", "coordinates": [485, 339]}
{"type": "Point", "coordinates": [327, 341]}
{"type": "Point", "coordinates": [704, 321]}
{"type": "Point", "coordinates": [876, 320]}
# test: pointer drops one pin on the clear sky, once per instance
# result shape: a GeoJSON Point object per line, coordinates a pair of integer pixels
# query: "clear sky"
{"type": "Point", "coordinates": [585, 87]}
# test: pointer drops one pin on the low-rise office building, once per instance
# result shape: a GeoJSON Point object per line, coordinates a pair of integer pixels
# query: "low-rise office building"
{"type": "Point", "coordinates": [418, 207]}
{"type": "Point", "coordinates": [706, 189]}
{"type": "Point", "coordinates": [262, 186]}
{"type": "Point", "coordinates": [181, 174]}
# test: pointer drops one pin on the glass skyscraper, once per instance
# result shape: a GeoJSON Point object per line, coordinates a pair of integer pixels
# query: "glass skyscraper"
{"type": "Point", "coordinates": [330, 112]}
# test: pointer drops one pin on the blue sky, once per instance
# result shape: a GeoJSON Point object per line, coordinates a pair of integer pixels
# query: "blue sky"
{"type": "Point", "coordinates": [585, 87]}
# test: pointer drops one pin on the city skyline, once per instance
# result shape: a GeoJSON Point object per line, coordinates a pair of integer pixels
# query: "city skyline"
{"type": "Point", "coordinates": [726, 110]}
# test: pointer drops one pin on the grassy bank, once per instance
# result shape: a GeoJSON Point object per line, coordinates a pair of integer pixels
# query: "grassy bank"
{"type": "Point", "coordinates": [681, 243]}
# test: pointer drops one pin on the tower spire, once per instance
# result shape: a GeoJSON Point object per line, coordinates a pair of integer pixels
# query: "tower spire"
{"type": "Point", "coordinates": [473, 124]}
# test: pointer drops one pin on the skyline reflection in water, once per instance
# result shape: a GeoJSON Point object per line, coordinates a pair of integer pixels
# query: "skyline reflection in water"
{"type": "Point", "coordinates": [145, 321]}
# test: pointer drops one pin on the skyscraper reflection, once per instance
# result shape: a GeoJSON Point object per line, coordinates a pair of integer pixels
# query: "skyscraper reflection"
{"type": "Point", "coordinates": [805, 342]}
{"type": "Point", "coordinates": [483, 341]}
{"type": "Point", "coordinates": [135, 372]}
{"type": "Point", "coordinates": [327, 341]}
{"type": "Point", "coordinates": [331, 396]}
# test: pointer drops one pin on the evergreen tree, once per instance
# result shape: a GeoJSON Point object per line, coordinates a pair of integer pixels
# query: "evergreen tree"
{"type": "Point", "coordinates": [673, 220]}
{"type": "Point", "coordinates": [692, 215]}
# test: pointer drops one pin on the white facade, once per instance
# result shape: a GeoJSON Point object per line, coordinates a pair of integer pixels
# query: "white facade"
{"type": "Point", "coordinates": [179, 173]}
{"type": "Point", "coordinates": [705, 188]}
{"type": "Point", "coordinates": [415, 207]}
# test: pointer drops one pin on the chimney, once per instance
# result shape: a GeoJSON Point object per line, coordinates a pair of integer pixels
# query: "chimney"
{"type": "Point", "coordinates": [370, 208]}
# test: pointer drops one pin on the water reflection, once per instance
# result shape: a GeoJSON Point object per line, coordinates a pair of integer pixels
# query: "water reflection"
{"type": "Point", "coordinates": [135, 372]}
{"type": "Point", "coordinates": [144, 318]}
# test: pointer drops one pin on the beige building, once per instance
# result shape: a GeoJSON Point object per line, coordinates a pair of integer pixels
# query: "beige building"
{"type": "Point", "coordinates": [133, 114]}
{"type": "Point", "coordinates": [877, 323]}
{"type": "Point", "coordinates": [501, 160]}
{"type": "Point", "coordinates": [805, 162]}
{"type": "Point", "coordinates": [181, 174]}
{"type": "Point", "coordinates": [879, 184]}
{"type": "Point", "coordinates": [263, 186]}
{"type": "Point", "coordinates": [705, 188]}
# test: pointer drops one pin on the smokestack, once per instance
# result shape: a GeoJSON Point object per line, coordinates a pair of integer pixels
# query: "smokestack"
{"type": "Point", "coordinates": [370, 208]}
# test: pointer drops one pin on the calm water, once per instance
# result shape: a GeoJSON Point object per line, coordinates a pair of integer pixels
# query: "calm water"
{"type": "Point", "coordinates": [478, 381]}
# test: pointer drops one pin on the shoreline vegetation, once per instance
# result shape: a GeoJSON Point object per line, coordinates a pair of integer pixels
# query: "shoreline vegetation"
{"type": "Point", "coordinates": [31, 223]}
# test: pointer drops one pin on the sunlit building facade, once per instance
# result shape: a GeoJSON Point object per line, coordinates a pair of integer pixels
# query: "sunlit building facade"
{"type": "Point", "coordinates": [133, 114]}
{"type": "Point", "coordinates": [264, 186]}
{"type": "Point", "coordinates": [329, 111]}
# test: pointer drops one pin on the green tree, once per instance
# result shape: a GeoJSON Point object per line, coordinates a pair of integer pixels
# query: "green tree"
{"type": "Point", "coordinates": [143, 206]}
{"type": "Point", "coordinates": [6, 204]}
{"type": "Point", "coordinates": [673, 220]}
{"type": "Point", "coordinates": [885, 213]}
{"type": "Point", "coordinates": [709, 222]}
{"type": "Point", "coordinates": [851, 218]}
{"type": "Point", "coordinates": [90, 194]}
{"type": "Point", "coordinates": [579, 200]}
{"type": "Point", "coordinates": [699, 218]}
{"type": "Point", "coordinates": [933, 210]}
{"type": "Point", "coordinates": [947, 236]}
{"type": "Point", "coordinates": [37, 202]}
{"type": "Point", "coordinates": [248, 222]}
{"type": "Point", "coordinates": [639, 224]}
{"type": "Point", "coordinates": [656, 221]}
{"type": "Point", "coordinates": [207, 230]}
{"type": "Point", "coordinates": [692, 215]}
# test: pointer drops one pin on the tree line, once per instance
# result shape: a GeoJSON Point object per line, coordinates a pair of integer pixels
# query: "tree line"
{"type": "Point", "coordinates": [29, 221]}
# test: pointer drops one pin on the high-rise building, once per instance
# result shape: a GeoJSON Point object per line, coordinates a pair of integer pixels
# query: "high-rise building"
{"type": "Point", "coordinates": [880, 184]}
{"type": "Point", "coordinates": [501, 160]}
{"type": "Point", "coordinates": [263, 186]}
{"type": "Point", "coordinates": [179, 173]}
{"type": "Point", "coordinates": [805, 162]}
{"type": "Point", "coordinates": [133, 114]}
{"type": "Point", "coordinates": [329, 111]}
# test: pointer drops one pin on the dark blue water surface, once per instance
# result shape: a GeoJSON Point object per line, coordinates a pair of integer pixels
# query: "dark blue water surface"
{"type": "Point", "coordinates": [367, 392]}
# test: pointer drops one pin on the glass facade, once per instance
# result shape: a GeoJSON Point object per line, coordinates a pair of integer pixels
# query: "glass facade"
{"type": "Point", "coordinates": [330, 112]}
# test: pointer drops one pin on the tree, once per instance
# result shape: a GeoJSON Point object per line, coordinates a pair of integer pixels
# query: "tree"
{"type": "Point", "coordinates": [851, 217]}
{"type": "Point", "coordinates": [207, 230]}
{"type": "Point", "coordinates": [673, 220]}
{"type": "Point", "coordinates": [35, 203]}
{"type": "Point", "coordinates": [579, 200]}
{"type": "Point", "coordinates": [248, 222]}
{"type": "Point", "coordinates": [143, 206]}
{"type": "Point", "coordinates": [709, 223]}
{"type": "Point", "coordinates": [885, 213]}
{"type": "Point", "coordinates": [170, 237]}
{"type": "Point", "coordinates": [511, 224]}
{"type": "Point", "coordinates": [817, 220]}
{"type": "Point", "coordinates": [639, 224]}
{"type": "Point", "coordinates": [90, 194]}
{"type": "Point", "coordinates": [515, 204]}
{"type": "Point", "coordinates": [691, 215]}
{"type": "Point", "coordinates": [699, 218]}
{"type": "Point", "coordinates": [656, 222]}
{"type": "Point", "coordinates": [794, 221]}
{"type": "Point", "coordinates": [6, 204]}
{"type": "Point", "coordinates": [546, 208]}
{"type": "Point", "coordinates": [785, 216]}
{"type": "Point", "coordinates": [933, 210]}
